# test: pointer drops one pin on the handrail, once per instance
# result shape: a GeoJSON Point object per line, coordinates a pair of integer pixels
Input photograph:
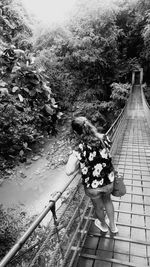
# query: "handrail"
{"type": "Point", "coordinates": [144, 98]}
{"type": "Point", "coordinates": [145, 106]}
{"type": "Point", "coordinates": [51, 206]}
{"type": "Point", "coordinates": [114, 129]}
{"type": "Point", "coordinates": [114, 125]}
{"type": "Point", "coordinates": [33, 226]}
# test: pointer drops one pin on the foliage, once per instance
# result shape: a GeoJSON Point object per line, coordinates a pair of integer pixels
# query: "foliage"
{"type": "Point", "coordinates": [15, 25]}
{"type": "Point", "coordinates": [27, 104]}
{"type": "Point", "coordinates": [146, 90]}
{"type": "Point", "coordinates": [10, 229]}
{"type": "Point", "coordinates": [13, 225]}
{"type": "Point", "coordinates": [81, 60]}
{"type": "Point", "coordinates": [27, 107]}
{"type": "Point", "coordinates": [84, 67]}
{"type": "Point", "coordinates": [81, 63]}
{"type": "Point", "coordinates": [120, 93]}
{"type": "Point", "coordinates": [133, 41]}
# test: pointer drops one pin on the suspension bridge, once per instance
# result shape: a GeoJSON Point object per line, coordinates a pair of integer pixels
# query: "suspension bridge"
{"type": "Point", "coordinates": [73, 240]}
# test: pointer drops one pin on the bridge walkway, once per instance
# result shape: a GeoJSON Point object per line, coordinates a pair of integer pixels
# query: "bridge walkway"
{"type": "Point", "coordinates": [131, 246]}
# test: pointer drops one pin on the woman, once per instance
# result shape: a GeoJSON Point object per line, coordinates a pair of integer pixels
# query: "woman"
{"type": "Point", "coordinates": [92, 158]}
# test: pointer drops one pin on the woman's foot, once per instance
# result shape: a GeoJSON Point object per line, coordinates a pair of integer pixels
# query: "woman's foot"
{"type": "Point", "coordinates": [102, 227]}
{"type": "Point", "coordinates": [113, 229]}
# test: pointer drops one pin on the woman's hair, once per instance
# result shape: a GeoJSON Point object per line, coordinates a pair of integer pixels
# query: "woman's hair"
{"type": "Point", "coordinates": [85, 130]}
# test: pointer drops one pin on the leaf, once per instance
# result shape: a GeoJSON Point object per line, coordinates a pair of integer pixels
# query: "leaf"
{"type": "Point", "coordinates": [36, 158]}
{"type": "Point", "coordinates": [32, 93]}
{"type": "Point", "coordinates": [48, 109]}
{"type": "Point", "coordinates": [55, 106]}
{"type": "Point", "coordinates": [19, 52]}
{"type": "Point", "coordinates": [47, 88]}
{"type": "Point", "coordinates": [4, 91]}
{"type": "Point", "coordinates": [59, 115]}
{"type": "Point", "coordinates": [15, 88]}
{"type": "Point", "coordinates": [15, 69]}
{"type": "Point", "coordinates": [8, 23]}
{"type": "Point", "coordinates": [20, 98]}
{"type": "Point", "coordinates": [39, 90]}
{"type": "Point", "coordinates": [53, 101]}
{"type": "Point", "coordinates": [2, 84]}
{"type": "Point", "coordinates": [19, 107]}
{"type": "Point", "coordinates": [25, 145]}
{"type": "Point", "coordinates": [26, 89]}
{"type": "Point", "coordinates": [21, 153]}
{"type": "Point", "coordinates": [33, 60]}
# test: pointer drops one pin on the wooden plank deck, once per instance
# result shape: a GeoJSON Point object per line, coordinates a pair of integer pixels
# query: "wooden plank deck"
{"type": "Point", "coordinates": [131, 246]}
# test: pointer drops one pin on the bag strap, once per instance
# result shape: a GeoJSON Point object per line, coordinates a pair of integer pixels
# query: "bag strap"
{"type": "Point", "coordinates": [104, 146]}
{"type": "Point", "coordinates": [98, 135]}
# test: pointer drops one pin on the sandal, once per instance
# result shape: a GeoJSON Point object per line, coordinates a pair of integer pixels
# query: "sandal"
{"type": "Point", "coordinates": [113, 231]}
{"type": "Point", "coordinates": [99, 225]}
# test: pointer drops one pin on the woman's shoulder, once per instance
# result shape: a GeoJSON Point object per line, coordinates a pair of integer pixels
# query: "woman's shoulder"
{"type": "Point", "coordinates": [79, 148]}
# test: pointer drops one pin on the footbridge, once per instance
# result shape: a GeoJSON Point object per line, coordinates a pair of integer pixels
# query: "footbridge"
{"type": "Point", "coordinates": [69, 237]}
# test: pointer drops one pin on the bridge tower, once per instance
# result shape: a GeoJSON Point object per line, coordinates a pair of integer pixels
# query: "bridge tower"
{"type": "Point", "coordinates": [137, 76]}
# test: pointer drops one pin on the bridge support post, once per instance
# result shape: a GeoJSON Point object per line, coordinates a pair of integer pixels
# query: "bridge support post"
{"type": "Point", "coordinates": [137, 76]}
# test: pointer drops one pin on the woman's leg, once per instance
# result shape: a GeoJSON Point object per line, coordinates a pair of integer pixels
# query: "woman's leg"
{"type": "Point", "coordinates": [99, 209]}
{"type": "Point", "coordinates": [109, 207]}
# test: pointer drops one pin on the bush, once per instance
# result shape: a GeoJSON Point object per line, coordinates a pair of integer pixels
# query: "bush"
{"type": "Point", "coordinates": [27, 105]}
{"type": "Point", "coordinates": [120, 93]}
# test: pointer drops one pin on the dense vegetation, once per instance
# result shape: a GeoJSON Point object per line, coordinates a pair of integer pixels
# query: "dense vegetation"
{"type": "Point", "coordinates": [27, 104]}
{"type": "Point", "coordinates": [82, 68]}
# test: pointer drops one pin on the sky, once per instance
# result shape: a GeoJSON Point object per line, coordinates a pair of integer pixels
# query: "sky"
{"type": "Point", "coordinates": [57, 11]}
{"type": "Point", "coordinates": [50, 11]}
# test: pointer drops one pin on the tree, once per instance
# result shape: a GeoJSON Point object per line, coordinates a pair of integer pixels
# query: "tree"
{"type": "Point", "coordinates": [27, 105]}
{"type": "Point", "coordinates": [15, 25]}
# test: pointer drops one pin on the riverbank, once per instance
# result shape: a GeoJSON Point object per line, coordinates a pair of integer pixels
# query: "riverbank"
{"type": "Point", "coordinates": [29, 185]}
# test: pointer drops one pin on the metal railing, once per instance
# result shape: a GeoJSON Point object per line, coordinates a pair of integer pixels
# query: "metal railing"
{"type": "Point", "coordinates": [146, 107]}
{"type": "Point", "coordinates": [66, 228]}
{"type": "Point", "coordinates": [118, 126]}
{"type": "Point", "coordinates": [65, 232]}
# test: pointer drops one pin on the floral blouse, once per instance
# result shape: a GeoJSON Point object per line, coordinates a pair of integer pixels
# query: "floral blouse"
{"type": "Point", "coordinates": [96, 165]}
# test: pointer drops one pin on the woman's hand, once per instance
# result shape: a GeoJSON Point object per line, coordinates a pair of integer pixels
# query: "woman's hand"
{"type": "Point", "coordinates": [72, 165]}
{"type": "Point", "coordinates": [100, 136]}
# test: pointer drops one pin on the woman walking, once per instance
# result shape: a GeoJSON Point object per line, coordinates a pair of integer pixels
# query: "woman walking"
{"type": "Point", "coordinates": [91, 157]}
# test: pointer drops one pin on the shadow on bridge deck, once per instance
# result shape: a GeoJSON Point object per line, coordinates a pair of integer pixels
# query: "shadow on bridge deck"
{"type": "Point", "coordinates": [131, 246]}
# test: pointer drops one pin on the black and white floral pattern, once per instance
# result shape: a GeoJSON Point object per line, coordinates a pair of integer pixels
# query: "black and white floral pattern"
{"type": "Point", "coordinates": [96, 165]}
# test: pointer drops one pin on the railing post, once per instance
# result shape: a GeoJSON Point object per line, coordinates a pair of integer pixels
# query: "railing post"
{"type": "Point", "coordinates": [53, 210]}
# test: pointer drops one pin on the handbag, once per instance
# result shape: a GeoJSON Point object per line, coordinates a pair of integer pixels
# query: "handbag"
{"type": "Point", "coordinates": [119, 188]}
